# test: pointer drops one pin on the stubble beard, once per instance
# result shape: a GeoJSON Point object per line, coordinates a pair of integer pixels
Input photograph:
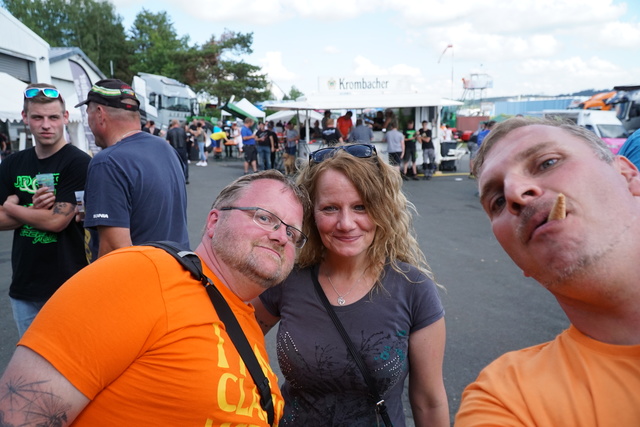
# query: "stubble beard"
{"type": "Point", "coordinates": [249, 264]}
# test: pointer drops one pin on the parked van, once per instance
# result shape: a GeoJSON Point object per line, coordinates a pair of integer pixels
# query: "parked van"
{"type": "Point", "coordinates": [605, 124]}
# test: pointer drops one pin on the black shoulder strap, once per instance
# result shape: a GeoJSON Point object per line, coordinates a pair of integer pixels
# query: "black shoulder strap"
{"type": "Point", "coordinates": [380, 404]}
{"type": "Point", "coordinates": [191, 262]}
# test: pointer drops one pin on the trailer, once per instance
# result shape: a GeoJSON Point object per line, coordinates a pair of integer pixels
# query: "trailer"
{"type": "Point", "coordinates": [163, 99]}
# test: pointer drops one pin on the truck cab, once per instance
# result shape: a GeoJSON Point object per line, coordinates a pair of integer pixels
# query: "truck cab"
{"type": "Point", "coordinates": [605, 124]}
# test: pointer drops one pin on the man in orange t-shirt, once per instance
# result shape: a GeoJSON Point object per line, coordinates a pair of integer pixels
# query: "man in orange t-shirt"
{"type": "Point", "coordinates": [566, 211]}
{"type": "Point", "coordinates": [133, 339]}
{"type": "Point", "coordinates": [345, 124]}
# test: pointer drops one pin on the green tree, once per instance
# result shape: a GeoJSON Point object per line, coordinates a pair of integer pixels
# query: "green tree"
{"type": "Point", "coordinates": [294, 93]}
{"type": "Point", "coordinates": [156, 45]}
{"type": "Point", "coordinates": [214, 68]}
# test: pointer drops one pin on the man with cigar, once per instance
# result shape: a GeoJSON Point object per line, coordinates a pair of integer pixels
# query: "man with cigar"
{"type": "Point", "coordinates": [585, 254]}
{"type": "Point", "coordinates": [136, 189]}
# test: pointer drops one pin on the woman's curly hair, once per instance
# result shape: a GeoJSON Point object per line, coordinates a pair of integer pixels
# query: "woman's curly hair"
{"type": "Point", "coordinates": [380, 187]}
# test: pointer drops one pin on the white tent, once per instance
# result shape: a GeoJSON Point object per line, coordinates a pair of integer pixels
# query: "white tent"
{"type": "Point", "coordinates": [12, 98]}
{"type": "Point", "coordinates": [247, 106]}
{"type": "Point", "coordinates": [286, 115]}
{"type": "Point", "coordinates": [362, 101]}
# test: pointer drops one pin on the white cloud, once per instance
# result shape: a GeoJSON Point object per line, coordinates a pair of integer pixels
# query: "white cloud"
{"type": "Point", "coordinates": [331, 50]}
{"type": "Point", "coordinates": [272, 65]}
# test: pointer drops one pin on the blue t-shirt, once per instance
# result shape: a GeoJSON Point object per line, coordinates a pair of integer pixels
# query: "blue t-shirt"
{"type": "Point", "coordinates": [631, 149]}
{"type": "Point", "coordinates": [245, 131]}
{"type": "Point", "coordinates": [482, 135]}
{"type": "Point", "coordinates": [138, 184]}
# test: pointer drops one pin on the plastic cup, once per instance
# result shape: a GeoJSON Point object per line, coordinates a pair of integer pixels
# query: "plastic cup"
{"type": "Point", "coordinates": [80, 203]}
{"type": "Point", "coordinates": [46, 180]}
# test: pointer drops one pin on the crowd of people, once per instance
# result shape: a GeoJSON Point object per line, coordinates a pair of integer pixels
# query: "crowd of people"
{"type": "Point", "coordinates": [116, 332]}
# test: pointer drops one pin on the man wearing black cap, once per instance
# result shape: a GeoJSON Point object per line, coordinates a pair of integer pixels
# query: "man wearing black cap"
{"type": "Point", "coordinates": [135, 190]}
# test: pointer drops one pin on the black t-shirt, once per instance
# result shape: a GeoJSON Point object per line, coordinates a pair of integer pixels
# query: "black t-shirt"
{"type": "Point", "coordinates": [43, 260]}
{"type": "Point", "coordinates": [426, 133]}
{"type": "Point", "coordinates": [177, 138]}
{"type": "Point", "coordinates": [263, 134]}
{"type": "Point", "coordinates": [331, 136]}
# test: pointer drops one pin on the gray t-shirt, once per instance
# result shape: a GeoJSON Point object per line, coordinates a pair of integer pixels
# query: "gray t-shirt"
{"type": "Point", "coordinates": [361, 133]}
{"type": "Point", "coordinates": [323, 386]}
{"type": "Point", "coordinates": [394, 141]}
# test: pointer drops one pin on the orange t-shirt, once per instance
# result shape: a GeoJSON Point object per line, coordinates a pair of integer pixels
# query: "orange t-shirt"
{"type": "Point", "coordinates": [570, 381]}
{"type": "Point", "coordinates": [344, 125]}
{"type": "Point", "coordinates": [140, 338]}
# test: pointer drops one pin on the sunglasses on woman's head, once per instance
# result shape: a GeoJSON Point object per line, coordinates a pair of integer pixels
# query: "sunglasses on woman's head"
{"type": "Point", "coordinates": [362, 151]}
{"type": "Point", "coordinates": [46, 91]}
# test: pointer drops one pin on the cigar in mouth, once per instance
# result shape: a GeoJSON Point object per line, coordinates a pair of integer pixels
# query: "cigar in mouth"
{"type": "Point", "coordinates": [559, 209]}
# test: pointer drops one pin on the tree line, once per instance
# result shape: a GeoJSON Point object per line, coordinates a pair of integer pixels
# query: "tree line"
{"type": "Point", "coordinates": [151, 45]}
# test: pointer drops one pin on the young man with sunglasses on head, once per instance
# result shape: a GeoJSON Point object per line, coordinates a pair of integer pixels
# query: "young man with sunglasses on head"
{"type": "Point", "coordinates": [134, 339]}
{"type": "Point", "coordinates": [48, 244]}
{"type": "Point", "coordinates": [136, 188]}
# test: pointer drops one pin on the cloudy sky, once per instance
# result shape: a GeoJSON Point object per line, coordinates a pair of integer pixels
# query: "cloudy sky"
{"type": "Point", "coordinates": [545, 47]}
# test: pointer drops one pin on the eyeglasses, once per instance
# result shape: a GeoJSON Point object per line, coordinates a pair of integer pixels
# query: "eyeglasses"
{"type": "Point", "coordinates": [270, 222]}
{"type": "Point", "coordinates": [362, 151]}
{"type": "Point", "coordinates": [46, 91]}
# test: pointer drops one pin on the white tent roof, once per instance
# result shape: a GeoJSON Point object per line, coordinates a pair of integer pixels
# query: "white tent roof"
{"type": "Point", "coordinates": [286, 115]}
{"type": "Point", "coordinates": [362, 101]}
{"type": "Point", "coordinates": [12, 99]}
{"type": "Point", "coordinates": [248, 107]}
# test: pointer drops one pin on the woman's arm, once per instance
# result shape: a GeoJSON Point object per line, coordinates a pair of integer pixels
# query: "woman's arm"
{"type": "Point", "coordinates": [265, 319]}
{"type": "Point", "coordinates": [427, 394]}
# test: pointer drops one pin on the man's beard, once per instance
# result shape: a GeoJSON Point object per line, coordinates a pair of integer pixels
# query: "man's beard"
{"type": "Point", "coordinates": [248, 264]}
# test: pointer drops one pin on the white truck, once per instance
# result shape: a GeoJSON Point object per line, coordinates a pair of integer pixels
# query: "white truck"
{"type": "Point", "coordinates": [605, 124]}
{"type": "Point", "coordinates": [163, 99]}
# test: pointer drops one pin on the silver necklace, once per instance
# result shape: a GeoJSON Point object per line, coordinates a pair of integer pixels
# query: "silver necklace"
{"type": "Point", "coordinates": [341, 300]}
{"type": "Point", "coordinates": [131, 132]}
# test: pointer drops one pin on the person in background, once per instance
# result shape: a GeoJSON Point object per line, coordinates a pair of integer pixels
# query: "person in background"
{"type": "Point", "coordinates": [345, 124]}
{"type": "Point", "coordinates": [331, 135]}
{"type": "Point", "coordinates": [428, 150]}
{"type": "Point", "coordinates": [48, 244]}
{"type": "Point", "coordinates": [395, 144]}
{"type": "Point", "coordinates": [325, 117]}
{"type": "Point", "coordinates": [631, 148]}
{"type": "Point", "coordinates": [131, 196]}
{"type": "Point", "coordinates": [264, 147]}
{"type": "Point", "coordinates": [483, 134]}
{"type": "Point", "coordinates": [410, 135]}
{"type": "Point", "coordinates": [248, 146]}
{"type": "Point", "coordinates": [273, 142]}
{"type": "Point", "coordinates": [292, 138]}
{"type": "Point", "coordinates": [363, 257]}
{"type": "Point", "coordinates": [361, 133]}
{"type": "Point", "coordinates": [201, 139]}
{"type": "Point", "coordinates": [177, 138]}
{"type": "Point", "coordinates": [566, 210]}
{"type": "Point", "coordinates": [134, 339]}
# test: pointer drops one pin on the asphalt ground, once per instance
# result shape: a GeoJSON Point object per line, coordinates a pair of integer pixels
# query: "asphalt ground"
{"type": "Point", "coordinates": [491, 308]}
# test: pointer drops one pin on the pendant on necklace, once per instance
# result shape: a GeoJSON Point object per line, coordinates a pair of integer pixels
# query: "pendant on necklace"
{"type": "Point", "coordinates": [341, 301]}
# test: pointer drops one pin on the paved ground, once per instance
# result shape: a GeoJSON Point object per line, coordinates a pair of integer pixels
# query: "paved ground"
{"type": "Point", "coordinates": [490, 307]}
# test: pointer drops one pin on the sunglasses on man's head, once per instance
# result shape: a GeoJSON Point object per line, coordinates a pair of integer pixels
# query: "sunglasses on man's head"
{"type": "Point", "coordinates": [362, 151]}
{"type": "Point", "coordinates": [49, 92]}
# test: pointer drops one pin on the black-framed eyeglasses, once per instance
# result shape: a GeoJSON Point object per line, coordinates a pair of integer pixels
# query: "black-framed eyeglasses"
{"type": "Point", "coordinates": [362, 151]}
{"type": "Point", "coordinates": [49, 92]}
{"type": "Point", "coordinates": [271, 222]}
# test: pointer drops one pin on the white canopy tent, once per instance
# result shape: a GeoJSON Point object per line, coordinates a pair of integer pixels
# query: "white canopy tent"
{"type": "Point", "coordinates": [12, 98]}
{"type": "Point", "coordinates": [244, 106]}
{"type": "Point", "coordinates": [286, 115]}
{"type": "Point", "coordinates": [362, 101]}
